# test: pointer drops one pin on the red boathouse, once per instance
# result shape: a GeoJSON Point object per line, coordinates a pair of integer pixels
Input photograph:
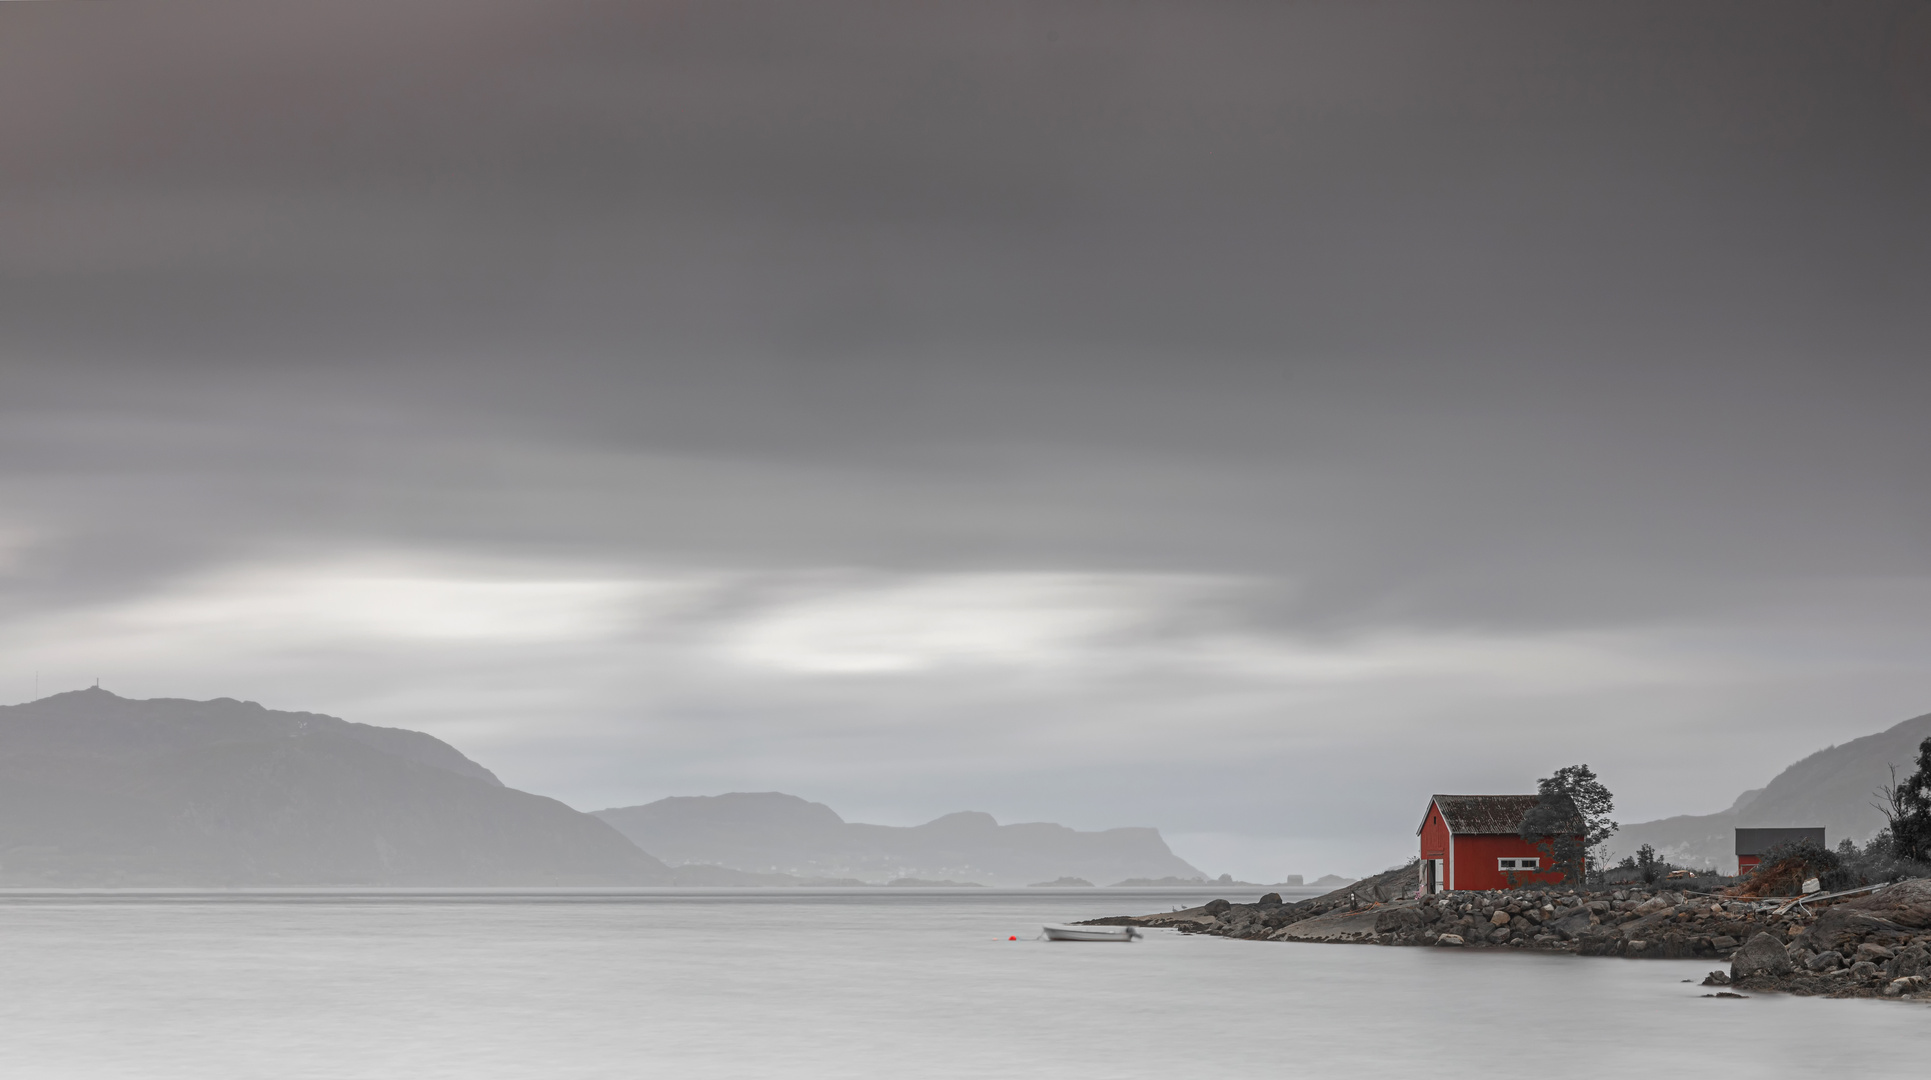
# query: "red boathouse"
{"type": "Point", "coordinates": [1754, 844]}
{"type": "Point", "coordinates": [1472, 842]}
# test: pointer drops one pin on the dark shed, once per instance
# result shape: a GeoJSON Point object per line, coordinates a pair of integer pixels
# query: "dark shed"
{"type": "Point", "coordinates": [1752, 844]}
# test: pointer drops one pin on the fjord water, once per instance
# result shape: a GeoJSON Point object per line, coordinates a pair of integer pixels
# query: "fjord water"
{"type": "Point", "coordinates": [837, 983]}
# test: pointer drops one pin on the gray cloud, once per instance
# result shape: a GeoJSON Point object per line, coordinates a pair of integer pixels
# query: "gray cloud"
{"type": "Point", "coordinates": [1449, 333]}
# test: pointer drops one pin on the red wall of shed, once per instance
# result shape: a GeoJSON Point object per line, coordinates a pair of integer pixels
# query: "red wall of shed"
{"type": "Point", "coordinates": [1435, 841]}
{"type": "Point", "coordinates": [1475, 858]}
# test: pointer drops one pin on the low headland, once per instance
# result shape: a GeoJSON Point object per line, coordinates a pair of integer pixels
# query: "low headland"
{"type": "Point", "coordinates": [1875, 942]}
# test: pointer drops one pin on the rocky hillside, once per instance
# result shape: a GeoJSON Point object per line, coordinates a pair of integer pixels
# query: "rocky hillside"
{"type": "Point", "coordinates": [97, 789]}
{"type": "Point", "coordinates": [770, 832]}
{"type": "Point", "coordinates": [1832, 787]}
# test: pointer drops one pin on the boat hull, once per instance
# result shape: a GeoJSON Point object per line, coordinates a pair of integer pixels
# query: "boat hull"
{"type": "Point", "coordinates": [1090, 933]}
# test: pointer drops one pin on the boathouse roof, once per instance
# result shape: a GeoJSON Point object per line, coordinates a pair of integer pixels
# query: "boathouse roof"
{"type": "Point", "coordinates": [1760, 841]}
{"type": "Point", "coordinates": [1484, 815]}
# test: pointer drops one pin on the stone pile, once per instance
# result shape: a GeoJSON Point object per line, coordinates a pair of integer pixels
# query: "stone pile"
{"type": "Point", "coordinates": [1223, 919]}
{"type": "Point", "coordinates": [1877, 945]}
{"type": "Point", "coordinates": [1531, 919]}
{"type": "Point", "coordinates": [1621, 923]}
{"type": "Point", "coordinates": [1678, 926]}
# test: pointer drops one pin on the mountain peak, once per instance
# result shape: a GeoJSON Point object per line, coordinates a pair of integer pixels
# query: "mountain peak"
{"type": "Point", "coordinates": [1832, 787]}
{"type": "Point", "coordinates": [86, 693]}
{"type": "Point", "coordinates": [963, 821]}
{"type": "Point", "coordinates": [97, 789]}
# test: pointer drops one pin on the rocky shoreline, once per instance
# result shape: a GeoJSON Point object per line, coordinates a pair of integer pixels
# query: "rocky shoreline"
{"type": "Point", "coordinates": [1876, 945]}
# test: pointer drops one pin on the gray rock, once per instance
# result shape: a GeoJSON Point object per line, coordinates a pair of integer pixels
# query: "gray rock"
{"type": "Point", "coordinates": [1643, 925]}
{"type": "Point", "coordinates": [1825, 961]}
{"type": "Point", "coordinates": [1450, 940]}
{"type": "Point", "coordinates": [1874, 952]}
{"type": "Point", "coordinates": [1863, 969]}
{"type": "Point", "coordinates": [1723, 943]}
{"type": "Point", "coordinates": [1717, 978]}
{"type": "Point", "coordinates": [1394, 919]}
{"type": "Point", "coordinates": [1761, 955]}
{"type": "Point", "coordinates": [1572, 923]}
{"type": "Point", "coordinates": [1895, 911]}
{"type": "Point", "coordinates": [1215, 907]}
{"type": "Point", "coordinates": [1910, 984]}
{"type": "Point", "coordinates": [1500, 918]}
{"type": "Point", "coordinates": [1910, 961]}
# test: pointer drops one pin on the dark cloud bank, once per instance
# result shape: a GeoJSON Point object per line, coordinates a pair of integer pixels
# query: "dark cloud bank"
{"type": "Point", "coordinates": [1315, 404]}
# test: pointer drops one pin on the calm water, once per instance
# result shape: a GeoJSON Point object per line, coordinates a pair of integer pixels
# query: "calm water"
{"type": "Point", "coordinates": [840, 984]}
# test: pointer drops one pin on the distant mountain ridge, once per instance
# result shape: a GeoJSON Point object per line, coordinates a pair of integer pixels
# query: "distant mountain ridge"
{"type": "Point", "coordinates": [100, 790]}
{"type": "Point", "coordinates": [1833, 787]}
{"type": "Point", "coordinates": [774, 833]}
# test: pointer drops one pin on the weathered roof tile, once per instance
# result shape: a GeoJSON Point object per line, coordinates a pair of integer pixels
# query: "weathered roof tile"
{"type": "Point", "coordinates": [1484, 815]}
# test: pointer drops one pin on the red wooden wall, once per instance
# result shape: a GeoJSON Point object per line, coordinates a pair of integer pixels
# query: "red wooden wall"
{"type": "Point", "coordinates": [1475, 858]}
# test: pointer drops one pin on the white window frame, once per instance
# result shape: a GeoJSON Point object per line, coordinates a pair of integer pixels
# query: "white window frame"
{"type": "Point", "coordinates": [1519, 864]}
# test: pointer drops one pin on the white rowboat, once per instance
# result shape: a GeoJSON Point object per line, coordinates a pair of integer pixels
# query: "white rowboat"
{"type": "Point", "coordinates": [1058, 932]}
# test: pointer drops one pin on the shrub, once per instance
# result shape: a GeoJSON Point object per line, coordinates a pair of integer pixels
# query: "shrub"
{"type": "Point", "coordinates": [1879, 861]}
{"type": "Point", "coordinates": [1787, 866]}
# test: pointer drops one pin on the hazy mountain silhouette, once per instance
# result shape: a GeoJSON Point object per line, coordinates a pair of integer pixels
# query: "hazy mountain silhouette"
{"type": "Point", "coordinates": [97, 789]}
{"type": "Point", "coordinates": [770, 832]}
{"type": "Point", "coordinates": [1832, 787]}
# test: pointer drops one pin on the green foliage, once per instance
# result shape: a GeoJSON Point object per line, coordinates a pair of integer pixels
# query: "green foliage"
{"type": "Point", "coordinates": [1879, 861]}
{"type": "Point", "coordinates": [1646, 864]}
{"type": "Point", "coordinates": [1800, 860]}
{"type": "Point", "coordinates": [1845, 868]}
{"type": "Point", "coordinates": [1570, 820]}
{"type": "Point", "coordinates": [1907, 805]}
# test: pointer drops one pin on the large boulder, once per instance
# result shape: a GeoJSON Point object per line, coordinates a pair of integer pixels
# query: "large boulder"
{"type": "Point", "coordinates": [1571, 924]}
{"type": "Point", "coordinates": [1915, 960]}
{"type": "Point", "coordinates": [1648, 925]}
{"type": "Point", "coordinates": [1907, 903]}
{"type": "Point", "coordinates": [1825, 961]}
{"type": "Point", "coordinates": [1394, 919]}
{"type": "Point", "coordinates": [1910, 984]}
{"type": "Point", "coordinates": [1894, 911]}
{"type": "Point", "coordinates": [1598, 942]}
{"type": "Point", "coordinates": [1761, 955]}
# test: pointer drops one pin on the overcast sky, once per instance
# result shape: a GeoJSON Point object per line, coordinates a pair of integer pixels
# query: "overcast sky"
{"type": "Point", "coordinates": [1239, 418]}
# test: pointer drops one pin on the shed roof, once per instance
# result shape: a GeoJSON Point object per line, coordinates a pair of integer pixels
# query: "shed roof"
{"type": "Point", "coordinates": [1760, 841]}
{"type": "Point", "coordinates": [1484, 815]}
